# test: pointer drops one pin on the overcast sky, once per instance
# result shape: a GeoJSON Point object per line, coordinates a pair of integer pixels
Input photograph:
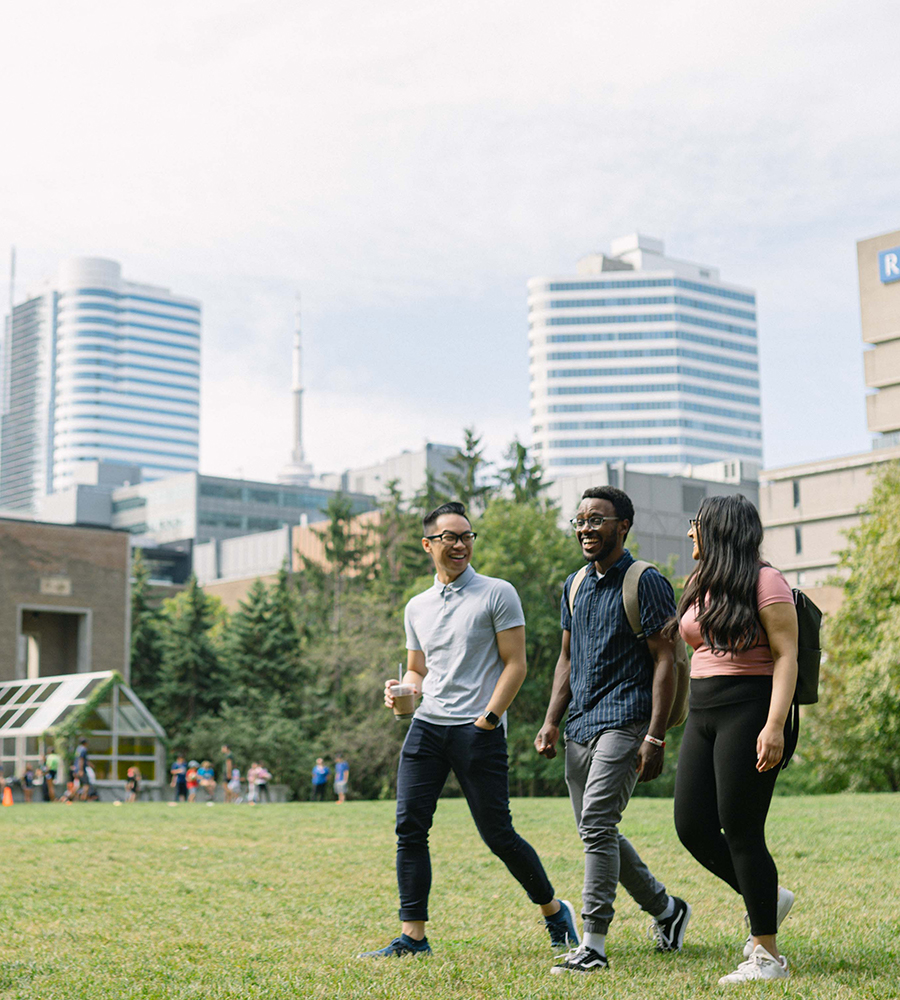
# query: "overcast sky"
{"type": "Point", "coordinates": [407, 166]}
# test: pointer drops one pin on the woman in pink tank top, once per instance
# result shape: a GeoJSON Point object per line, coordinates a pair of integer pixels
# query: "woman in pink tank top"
{"type": "Point", "coordinates": [738, 615]}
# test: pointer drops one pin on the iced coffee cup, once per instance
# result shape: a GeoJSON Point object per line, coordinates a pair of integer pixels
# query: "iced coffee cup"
{"type": "Point", "coordinates": [404, 700]}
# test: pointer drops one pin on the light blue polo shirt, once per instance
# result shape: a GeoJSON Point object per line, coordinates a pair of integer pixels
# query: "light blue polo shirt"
{"type": "Point", "coordinates": [455, 625]}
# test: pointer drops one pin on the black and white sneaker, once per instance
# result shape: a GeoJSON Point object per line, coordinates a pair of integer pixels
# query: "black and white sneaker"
{"type": "Point", "coordinates": [669, 933]}
{"type": "Point", "coordinates": [582, 959]}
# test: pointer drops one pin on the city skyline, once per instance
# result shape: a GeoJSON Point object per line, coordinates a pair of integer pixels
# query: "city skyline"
{"type": "Point", "coordinates": [408, 170]}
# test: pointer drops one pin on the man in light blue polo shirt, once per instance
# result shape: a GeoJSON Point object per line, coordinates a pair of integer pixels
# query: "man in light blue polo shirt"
{"type": "Point", "coordinates": [465, 640]}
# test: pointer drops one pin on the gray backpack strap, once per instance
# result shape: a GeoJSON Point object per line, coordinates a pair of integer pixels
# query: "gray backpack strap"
{"type": "Point", "coordinates": [630, 596]}
{"type": "Point", "coordinates": [574, 585]}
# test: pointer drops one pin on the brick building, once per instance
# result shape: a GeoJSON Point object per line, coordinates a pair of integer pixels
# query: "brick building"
{"type": "Point", "coordinates": [64, 600]}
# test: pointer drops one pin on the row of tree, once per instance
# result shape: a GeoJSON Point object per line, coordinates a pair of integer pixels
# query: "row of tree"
{"type": "Point", "coordinates": [297, 671]}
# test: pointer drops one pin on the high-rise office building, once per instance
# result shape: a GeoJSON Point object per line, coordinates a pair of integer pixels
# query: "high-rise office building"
{"type": "Point", "coordinates": [97, 368]}
{"type": "Point", "coordinates": [644, 359]}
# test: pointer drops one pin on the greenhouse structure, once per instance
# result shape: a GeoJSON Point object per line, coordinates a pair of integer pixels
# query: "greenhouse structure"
{"type": "Point", "coordinates": [43, 713]}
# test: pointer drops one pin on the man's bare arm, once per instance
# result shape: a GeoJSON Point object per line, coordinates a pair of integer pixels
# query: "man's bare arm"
{"type": "Point", "coordinates": [511, 646]}
{"type": "Point", "coordinates": [650, 757]}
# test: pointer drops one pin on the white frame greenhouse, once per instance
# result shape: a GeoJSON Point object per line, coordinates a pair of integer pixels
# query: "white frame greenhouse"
{"type": "Point", "coordinates": [120, 731]}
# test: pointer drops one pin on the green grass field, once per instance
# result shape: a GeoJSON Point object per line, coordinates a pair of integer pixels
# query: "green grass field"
{"type": "Point", "coordinates": [150, 901]}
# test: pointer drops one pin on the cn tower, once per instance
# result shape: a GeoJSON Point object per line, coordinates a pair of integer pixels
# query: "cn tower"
{"type": "Point", "coordinates": [298, 472]}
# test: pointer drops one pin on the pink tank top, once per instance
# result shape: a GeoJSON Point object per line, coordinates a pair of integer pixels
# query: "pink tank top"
{"type": "Point", "coordinates": [771, 588]}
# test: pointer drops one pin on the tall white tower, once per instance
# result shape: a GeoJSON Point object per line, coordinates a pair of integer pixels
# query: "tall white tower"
{"type": "Point", "coordinates": [298, 472]}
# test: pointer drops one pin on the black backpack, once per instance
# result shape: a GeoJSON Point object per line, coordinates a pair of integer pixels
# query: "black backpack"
{"type": "Point", "coordinates": [809, 649]}
{"type": "Point", "coordinates": [809, 657]}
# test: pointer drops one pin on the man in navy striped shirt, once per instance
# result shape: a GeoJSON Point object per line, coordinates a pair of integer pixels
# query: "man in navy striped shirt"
{"type": "Point", "coordinates": [618, 690]}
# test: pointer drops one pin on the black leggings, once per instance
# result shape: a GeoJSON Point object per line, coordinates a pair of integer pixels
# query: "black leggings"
{"type": "Point", "coordinates": [721, 800]}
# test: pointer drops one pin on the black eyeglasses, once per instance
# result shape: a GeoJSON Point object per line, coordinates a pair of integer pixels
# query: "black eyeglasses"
{"type": "Point", "coordinates": [451, 537]}
{"type": "Point", "coordinates": [595, 521]}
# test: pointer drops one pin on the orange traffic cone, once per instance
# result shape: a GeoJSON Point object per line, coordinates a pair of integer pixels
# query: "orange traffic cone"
{"type": "Point", "coordinates": [7, 796]}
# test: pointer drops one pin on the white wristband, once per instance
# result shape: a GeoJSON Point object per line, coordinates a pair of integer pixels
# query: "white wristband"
{"type": "Point", "coordinates": [652, 739]}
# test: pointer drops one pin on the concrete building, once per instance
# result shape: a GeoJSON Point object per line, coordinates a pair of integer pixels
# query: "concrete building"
{"type": "Point", "coordinates": [228, 569]}
{"type": "Point", "coordinates": [663, 504]}
{"type": "Point", "coordinates": [195, 508]}
{"type": "Point", "coordinates": [97, 367]}
{"type": "Point", "coordinates": [808, 508]}
{"type": "Point", "coordinates": [410, 470]}
{"type": "Point", "coordinates": [645, 359]}
{"type": "Point", "coordinates": [64, 600]}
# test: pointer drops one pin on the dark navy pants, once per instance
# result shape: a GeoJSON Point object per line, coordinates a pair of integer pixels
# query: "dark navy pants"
{"type": "Point", "coordinates": [478, 759]}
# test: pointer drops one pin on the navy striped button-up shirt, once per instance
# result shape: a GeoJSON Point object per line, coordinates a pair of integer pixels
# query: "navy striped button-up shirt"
{"type": "Point", "coordinates": [612, 671]}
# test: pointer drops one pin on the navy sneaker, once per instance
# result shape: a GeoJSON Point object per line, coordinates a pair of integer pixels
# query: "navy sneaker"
{"type": "Point", "coordinates": [561, 928]}
{"type": "Point", "coordinates": [583, 959]}
{"type": "Point", "coordinates": [399, 947]}
{"type": "Point", "coordinates": [669, 933]}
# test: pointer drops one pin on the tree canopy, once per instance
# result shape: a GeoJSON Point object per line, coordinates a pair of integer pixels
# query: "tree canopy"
{"type": "Point", "coordinates": [855, 728]}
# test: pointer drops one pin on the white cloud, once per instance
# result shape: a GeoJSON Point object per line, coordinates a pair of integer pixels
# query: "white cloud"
{"type": "Point", "coordinates": [409, 166]}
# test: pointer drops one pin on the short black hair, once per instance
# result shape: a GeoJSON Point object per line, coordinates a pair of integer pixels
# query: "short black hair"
{"type": "Point", "coordinates": [453, 507]}
{"type": "Point", "coordinates": [620, 500]}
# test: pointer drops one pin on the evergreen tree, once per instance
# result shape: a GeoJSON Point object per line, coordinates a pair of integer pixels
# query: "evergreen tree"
{"type": "Point", "coordinates": [399, 545]}
{"type": "Point", "coordinates": [192, 681]}
{"type": "Point", "coordinates": [284, 649]}
{"type": "Point", "coordinates": [466, 483]}
{"type": "Point", "coordinates": [248, 639]}
{"type": "Point", "coordinates": [525, 478]}
{"type": "Point", "coordinates": [146, 639]}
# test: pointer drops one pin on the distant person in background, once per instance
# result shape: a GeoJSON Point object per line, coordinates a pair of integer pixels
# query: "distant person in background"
{"type": "Point", "coordinates": [28, 783]}
{"type": "Point", "coordinates": [263, 777]}
{"type": "Point", "coordinates": [341, 777]}
{"type": "Point", "coordinates": [72, 786]}
{"type": "Point", "coordinates": [193, 781]}
{"type": "Point", "coordinates": [81, 760]}
{"type": "Point", "coordinates": [319, 780]}
{"type": "Point", "coordinates": [179, 778]}
{"type": "Point", "coordinates": [50, 766]}
{"type": "Point", "coordinates": [251, 783]}
{"type": "Point", "coordinates": [89, 788]}
{"type": "Point", "coordinates": [227, 765]}
{"type": "Point", "coordinates": [207, 778]}
{"type": "Point", "coordinates": [234, 786]}
{"type": "Point", "coordinates": [132, 784]}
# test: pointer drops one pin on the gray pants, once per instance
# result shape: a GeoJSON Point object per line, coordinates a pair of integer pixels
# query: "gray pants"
{"type": "Point", "coordinates": [601, 777]}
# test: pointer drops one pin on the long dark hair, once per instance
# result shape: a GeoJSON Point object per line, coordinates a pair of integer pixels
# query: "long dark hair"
{"type": "Point", "coordinates": [724, 584]}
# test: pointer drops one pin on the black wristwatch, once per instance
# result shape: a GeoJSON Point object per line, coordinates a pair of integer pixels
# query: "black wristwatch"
{"type": "Point", "coordinates": [492, 718]}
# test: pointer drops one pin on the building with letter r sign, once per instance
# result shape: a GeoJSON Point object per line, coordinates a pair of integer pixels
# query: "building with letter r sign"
{"type": "Point", "coordinates": [889, 265]}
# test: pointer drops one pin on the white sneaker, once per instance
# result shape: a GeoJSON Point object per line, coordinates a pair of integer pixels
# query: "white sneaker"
{"type": "Point", "coordinates": [760, 965]}
{"type": "Point", "coordinates": [785, 902]}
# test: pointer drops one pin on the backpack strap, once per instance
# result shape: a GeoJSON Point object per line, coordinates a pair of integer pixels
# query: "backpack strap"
{"type": "Point", "coordinates": [630, 596]}
{"type": "Point", "coordinates": [574, 585]}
